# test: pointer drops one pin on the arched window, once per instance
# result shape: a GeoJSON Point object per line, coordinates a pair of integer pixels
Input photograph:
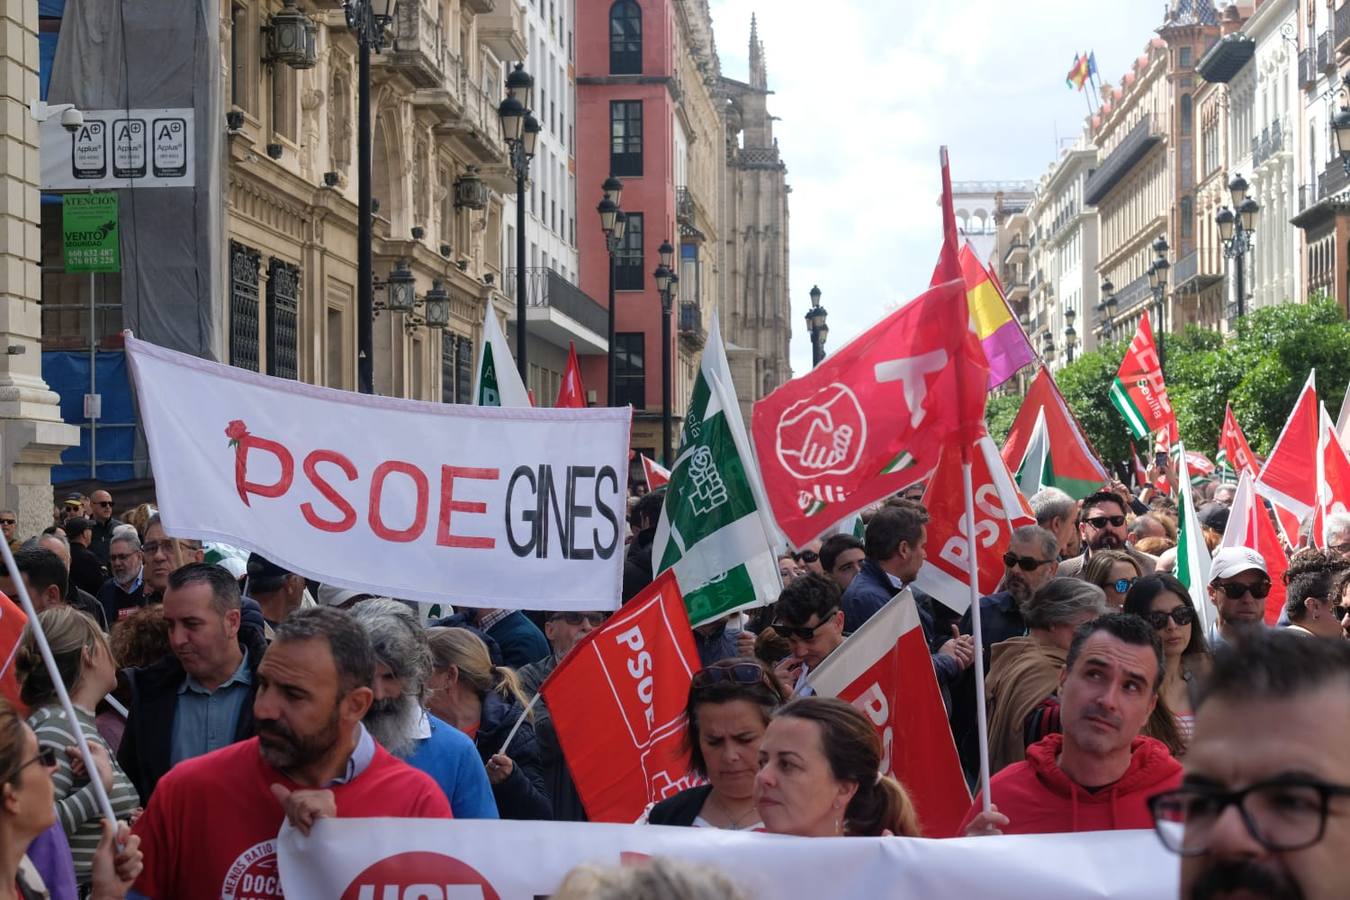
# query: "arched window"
{"type": "Point", "coordinates": [625, 38]}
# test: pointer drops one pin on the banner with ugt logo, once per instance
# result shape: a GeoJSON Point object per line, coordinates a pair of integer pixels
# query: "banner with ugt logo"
{"type": "Point", "coordinates": [618, 704]}
{"type": "Point", "coordinates": [470, 505]}
{"type": "Point", "coordinates": [873, 417]}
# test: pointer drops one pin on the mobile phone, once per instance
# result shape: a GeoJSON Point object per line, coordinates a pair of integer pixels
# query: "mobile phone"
{"type": "Point", "coordinates": [1160, 459]}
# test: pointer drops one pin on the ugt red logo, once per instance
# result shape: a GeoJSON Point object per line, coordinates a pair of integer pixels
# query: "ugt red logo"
{"type": "Point", "coordinates": [420, 876]}
{"type": "Point", "coordinates": [823, 434]}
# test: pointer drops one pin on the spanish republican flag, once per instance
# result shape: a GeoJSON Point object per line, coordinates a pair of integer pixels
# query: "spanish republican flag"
{"type": "Point", "coordinates": [1078, 75]}
{"type": "Point", "coordinates": [1005, 344]}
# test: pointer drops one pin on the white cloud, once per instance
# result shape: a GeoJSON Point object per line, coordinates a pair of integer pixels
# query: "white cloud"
{"type": "Point", "coordinates": [867, 90]}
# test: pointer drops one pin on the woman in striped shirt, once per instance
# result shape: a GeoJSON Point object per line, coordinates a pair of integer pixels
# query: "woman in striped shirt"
{"type": "Point", "coordinates": [87, 667]}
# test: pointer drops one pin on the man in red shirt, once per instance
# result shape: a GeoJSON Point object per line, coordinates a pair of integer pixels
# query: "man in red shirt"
{"type": "Point", "coordinates": [211, 826]}
{"type": "Point", "coordinates": [1098, 774]}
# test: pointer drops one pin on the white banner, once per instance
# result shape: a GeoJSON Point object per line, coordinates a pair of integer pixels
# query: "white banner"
{"type": "Point", "coordinates": [442, 503]}
{"type": "Point", "coordinates": [379, 859]}
{"type": "Point", "coordinates": [119, 148]}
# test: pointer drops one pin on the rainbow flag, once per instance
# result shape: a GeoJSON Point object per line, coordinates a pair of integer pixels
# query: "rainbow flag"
{"type": "Point", "coordinates": [1005, 344]}
{"type": "Point", "coordinates": [1082, 68]}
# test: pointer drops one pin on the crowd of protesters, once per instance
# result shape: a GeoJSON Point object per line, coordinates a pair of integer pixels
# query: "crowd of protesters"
{"type": "Point", "coordinates": [220, 694]}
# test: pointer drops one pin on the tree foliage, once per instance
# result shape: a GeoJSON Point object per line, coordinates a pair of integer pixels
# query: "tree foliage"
{"type": "Point", "coordinates": [1259, 369]}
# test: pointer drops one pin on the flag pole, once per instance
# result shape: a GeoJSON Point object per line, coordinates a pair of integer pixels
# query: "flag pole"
{"type": "Point", "coordinates": [977, 632]}
{"type": "Point", "coordinates": [101, 795]}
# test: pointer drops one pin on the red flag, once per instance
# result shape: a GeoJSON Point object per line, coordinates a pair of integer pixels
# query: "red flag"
{"type": "Point", "coordinates": [571, 395]}
{"type": "Point", "coordinates": [1073, 460]}
{"type": "Point", "coordinates": [999, 508]}
{"type": "Point", "coordinates": [1250, 525]}
{"type": "Point", "coordinates": [12, 620]}
{"type": "Point", "coordinates": [1139, 392]}
{"type": "Point", "coordinates": [1140, 473]}
{"type": "Point", "coordinates": [885, 670]}
{"type": "Point", "coordinates": [1234, 452]}
{"type": "Point", "coordinates": [1288, 478]}
{"type": "Point", "coordinates": [949, 260]}
{"type": "Point", "coordinates": [873, 417]}
{"type": "Point", "coordinates": [618, 704]}
{"type": "Point", "coordinates": [1333, 494]}
{"type": "Point", "coordinates": [657, 475]}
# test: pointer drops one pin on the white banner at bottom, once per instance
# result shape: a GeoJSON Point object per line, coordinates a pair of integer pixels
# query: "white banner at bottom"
{"type": "Point", "coordinates": [400, 859]}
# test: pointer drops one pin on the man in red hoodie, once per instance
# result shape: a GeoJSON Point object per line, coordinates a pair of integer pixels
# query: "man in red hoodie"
{"type": "Point", "coordinates": [1099, 773]}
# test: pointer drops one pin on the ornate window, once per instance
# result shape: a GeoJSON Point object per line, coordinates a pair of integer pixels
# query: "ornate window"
{"type": "Point", "coordinates": [283, 319]}
{"type": "Point", "coordinates": [625, 38]}
{"type": "Point", "coordinates": [244, 264]}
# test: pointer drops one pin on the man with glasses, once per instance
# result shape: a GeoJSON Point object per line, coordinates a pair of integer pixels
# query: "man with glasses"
{"type": "Point", "coordinates": [124, 592]}
{"type": "Point", "coordinates": [163, 555]}
{"type": "Point", "coordinates": [1098, 774]}
{"type": "Point", "coordinates": [9, 524]}
{"type": "Point", "coordinates": [809, 617]}
{"type": "Point", "coordinates": [1239, 584]}
{"type": "Point", "coordinates": [1264, 807]}
{"type": "Point", "coordinates": [101, 507]}
{"type": "Point", "coordinates": [1102, 527]}
{"type": "Point", "coordinates": [809, 558]}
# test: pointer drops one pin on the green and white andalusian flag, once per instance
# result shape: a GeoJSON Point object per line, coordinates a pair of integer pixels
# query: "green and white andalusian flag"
{"type": "Point", "coordinates": [1193, 556]}
{"type": "Point", "coordinates": [496, 381]}
{"type": "Point", "coordinates": [715, 530]}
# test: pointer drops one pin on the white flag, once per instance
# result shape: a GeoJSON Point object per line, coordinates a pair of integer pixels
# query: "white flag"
{"type": "Point", "coordinates": [496, 381]}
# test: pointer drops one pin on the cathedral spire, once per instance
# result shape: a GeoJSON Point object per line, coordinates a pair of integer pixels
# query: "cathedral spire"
{"type": "Point", "coordinates": [759, 77]}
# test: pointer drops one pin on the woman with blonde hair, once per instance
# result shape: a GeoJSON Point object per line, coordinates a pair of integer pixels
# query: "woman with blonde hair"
{"type": "Point", "coordinates": [485, 702]}
{"type": "Point", "coordinates": [87, 667]}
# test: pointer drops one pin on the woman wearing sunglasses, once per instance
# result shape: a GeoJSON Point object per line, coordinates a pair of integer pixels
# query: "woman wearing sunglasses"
{"type": "Point", "coordinates": [1311, 599]}
{"type": "Point", "coordinates": [1114, 571]}
{"type": "Point", "coordinates": [1163, 602]}
{"type": "Point", "coordinates": [730, 705]}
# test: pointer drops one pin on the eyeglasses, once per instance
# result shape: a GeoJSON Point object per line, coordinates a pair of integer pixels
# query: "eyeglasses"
{"type": "Point", "coordinates": [575, 618]}
{"type": "Point", "coordinates": [804, 632]}
{"type": "Point", "coordinates": [1234, 590]}
{"type": "Point", "coordinates": [1025, 563]}
{"type": "Point", "coordinates": [46, 757]}
{"type": "Point", "coordinates": [738, 673]}
{"type": "Point", "coordinates": [103, 503]}
{"type": "Point", "coordinates": [1182, 615]}
{"type": "Point", "coordinates": [9, 522]}
{"type": "Point", "coordinates": [1123, 585]}
{"type": "Point", "coordinates": [1343, 549]}
{"type": "Point", "coordinates": [120, 557]}
{"type": "Point", "coordinates": [808, 556]}
{"type": "Point", "coordinates": [1099, 522]}
{"type": "Point", "coordinates": [153, 547]}
{"type": "Point", "coordinates": [1283, 815]}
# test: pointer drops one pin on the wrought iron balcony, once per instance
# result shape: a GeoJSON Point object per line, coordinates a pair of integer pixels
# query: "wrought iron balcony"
{"type": "Point", "coordinates": [1135, 146]}
{"type": "Point", "coordinates": [546, 289]}
{"type": "Point", "coordinates": [691, 324]}
{"type": "Point", "coordinates": [1325, 60]}
{"type": "Point", "coordinates": [1268, 143]}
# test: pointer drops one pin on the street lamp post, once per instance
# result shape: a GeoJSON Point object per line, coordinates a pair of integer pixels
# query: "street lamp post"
{"type": "Point", "coordinates": [666, 280]}
{"type": "Point", "coordinates": [1070, 334]}
{"type": "Point", "coordinates": [1107, 307]}
{"type": "Point", "coordinates": [1048, 347]}
{"type": "Point", "coordinates": [368, 20]}
{"type": "Point", "coordinates": [613, 223]}
{"type": "Point", "coordinates": [1157, 279]}
{"type": "Point", "coordinates": [815, 324]}
{"type": "Point", "coordinates": [521, 131]}
{"type": "Point", "coordinates": [1236, 227]}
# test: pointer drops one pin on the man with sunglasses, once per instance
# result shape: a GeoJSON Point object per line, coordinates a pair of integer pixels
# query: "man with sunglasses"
{"type": "Point", "coordinates": [809, 558]}
{"type": "Point", "coordinates": [809, 617]}
{"type": "Point", "coordinates": [101, 507]}
{"type": "Point", "coordinates": [1263, 809]}
{"type": "Point", "coordinates": [1238, 585]}
{"type": "Point", "coordinates": [1102, 527]}
{"type": "Point", "coordinates": [9, 525]}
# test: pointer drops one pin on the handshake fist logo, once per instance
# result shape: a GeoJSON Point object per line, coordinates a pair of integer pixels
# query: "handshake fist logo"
{"type": "Point", "coordinates": [823, 434]}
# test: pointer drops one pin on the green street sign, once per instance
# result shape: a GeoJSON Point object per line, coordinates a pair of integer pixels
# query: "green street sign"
{"type": "Point", "coordinates": [89, 239]}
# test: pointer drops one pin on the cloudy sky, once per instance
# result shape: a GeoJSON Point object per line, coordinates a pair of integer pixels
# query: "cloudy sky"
{"type": "Point", "coordinates": [867, 90]}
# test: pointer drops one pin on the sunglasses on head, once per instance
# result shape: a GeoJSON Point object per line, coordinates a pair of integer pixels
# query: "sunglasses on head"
{"type": "Point", "coordinates": [1123, 585]}
{"type": "Point", "coordinates": [803, 632]}
{"type": "Point", "coordinates": [1025, 563]}
{"type": "Point", "coordinates": [1235, 591]}
{"type": "Point", "coordinates": [1182, 615]}
{"type": "Point", "coordinates": [739, 673]}
{"type": "Point", "coordinates": [1099, 522]}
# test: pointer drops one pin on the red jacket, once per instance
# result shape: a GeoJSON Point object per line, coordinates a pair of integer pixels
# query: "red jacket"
{"type": "Point", "coordinates": [1038, 798]}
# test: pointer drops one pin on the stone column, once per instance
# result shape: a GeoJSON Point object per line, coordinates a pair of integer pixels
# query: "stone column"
{"type": "Point", "coordinates": [32, 434]}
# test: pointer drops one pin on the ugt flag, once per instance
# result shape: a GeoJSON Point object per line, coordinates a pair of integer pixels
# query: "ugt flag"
{"type": "Point", "coordinates": [1234, 453]}
{"type": "Point", "coordinates": [1139, 392]}
{"type": "Point", "coordinates": [885, 670]}
{"type": "Point", "coordinates": [618, 704]}
{"type": "Point", "coordinates": [714, 531]}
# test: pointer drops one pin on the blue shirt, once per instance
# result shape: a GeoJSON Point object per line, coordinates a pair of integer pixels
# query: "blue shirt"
{"type": "Point", "coordinates": [206, 720]}
{"type": "Point", "coordinates": [450, 758]}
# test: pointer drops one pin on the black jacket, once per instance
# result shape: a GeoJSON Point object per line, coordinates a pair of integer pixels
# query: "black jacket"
{"type": "Point", "coordinates": [102, 536]}
{"type": "Point", "coordinates": [521, 795]}
{"type": "Point", "coordinates": [637, 564]}
{"type": "Point", "coordinates": [147, 742]}
{"type": "Point", "coordinates": [87, 571]}
{"type": "Point", "coordinates": [681, 809]}
{"type": "Point", "coordinates": [558, 784]}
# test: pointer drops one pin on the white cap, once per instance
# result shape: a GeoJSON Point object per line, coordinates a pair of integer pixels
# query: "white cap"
{"type": "Point", "coordinates": [329, 595]}
{"type": "Point", "coordinates": [1232, 561]}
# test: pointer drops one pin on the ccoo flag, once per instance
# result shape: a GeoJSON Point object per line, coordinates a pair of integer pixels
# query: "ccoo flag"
{"type": "Point", "coordinates": [714, 530]}
{"type": "Point", "coordinates": [1139, 392]}
{"type": "Point", "coordinates": [496, 382]}
{"type": "Point", "coordinates": [1234, 453]}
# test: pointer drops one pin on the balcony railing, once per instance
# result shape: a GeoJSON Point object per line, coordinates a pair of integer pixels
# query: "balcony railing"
{"type": "Point", "coordinates": [1268, 143]}
{"type": "Point", "coordinates": [1133, 293]}
{"type": "Point", "coordinates": [1307, 71]}
{"type": "Point", "coordinates": [691, 321]}
{"type": "Point", "coordinates": [1324, 57]}
{"type": "Point", "coordinates": [1332, 180]}
{"type": "Point", "coordinates": [1120, 161]}
{"type": "Point", "coordinates": [546, 289]}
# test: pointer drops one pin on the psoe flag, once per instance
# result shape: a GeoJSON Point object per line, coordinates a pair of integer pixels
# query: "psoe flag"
{"type": "Point", "coordinates": [885, 670]}
{"type": "Point", "coordinates": [436, 502]}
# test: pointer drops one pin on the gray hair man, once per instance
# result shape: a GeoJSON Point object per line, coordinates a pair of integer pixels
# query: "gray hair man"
{"type": "Point", "coordinates": [1057, 513]}
{"type": "Point", "coordinates": [1023, 671]}
{"type": "Point", "coordinates": [1337, 532]}
{"type": "Point", "coordinates": [397, 719]}
{"type": "Point", "coordinates": [124, 592]}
